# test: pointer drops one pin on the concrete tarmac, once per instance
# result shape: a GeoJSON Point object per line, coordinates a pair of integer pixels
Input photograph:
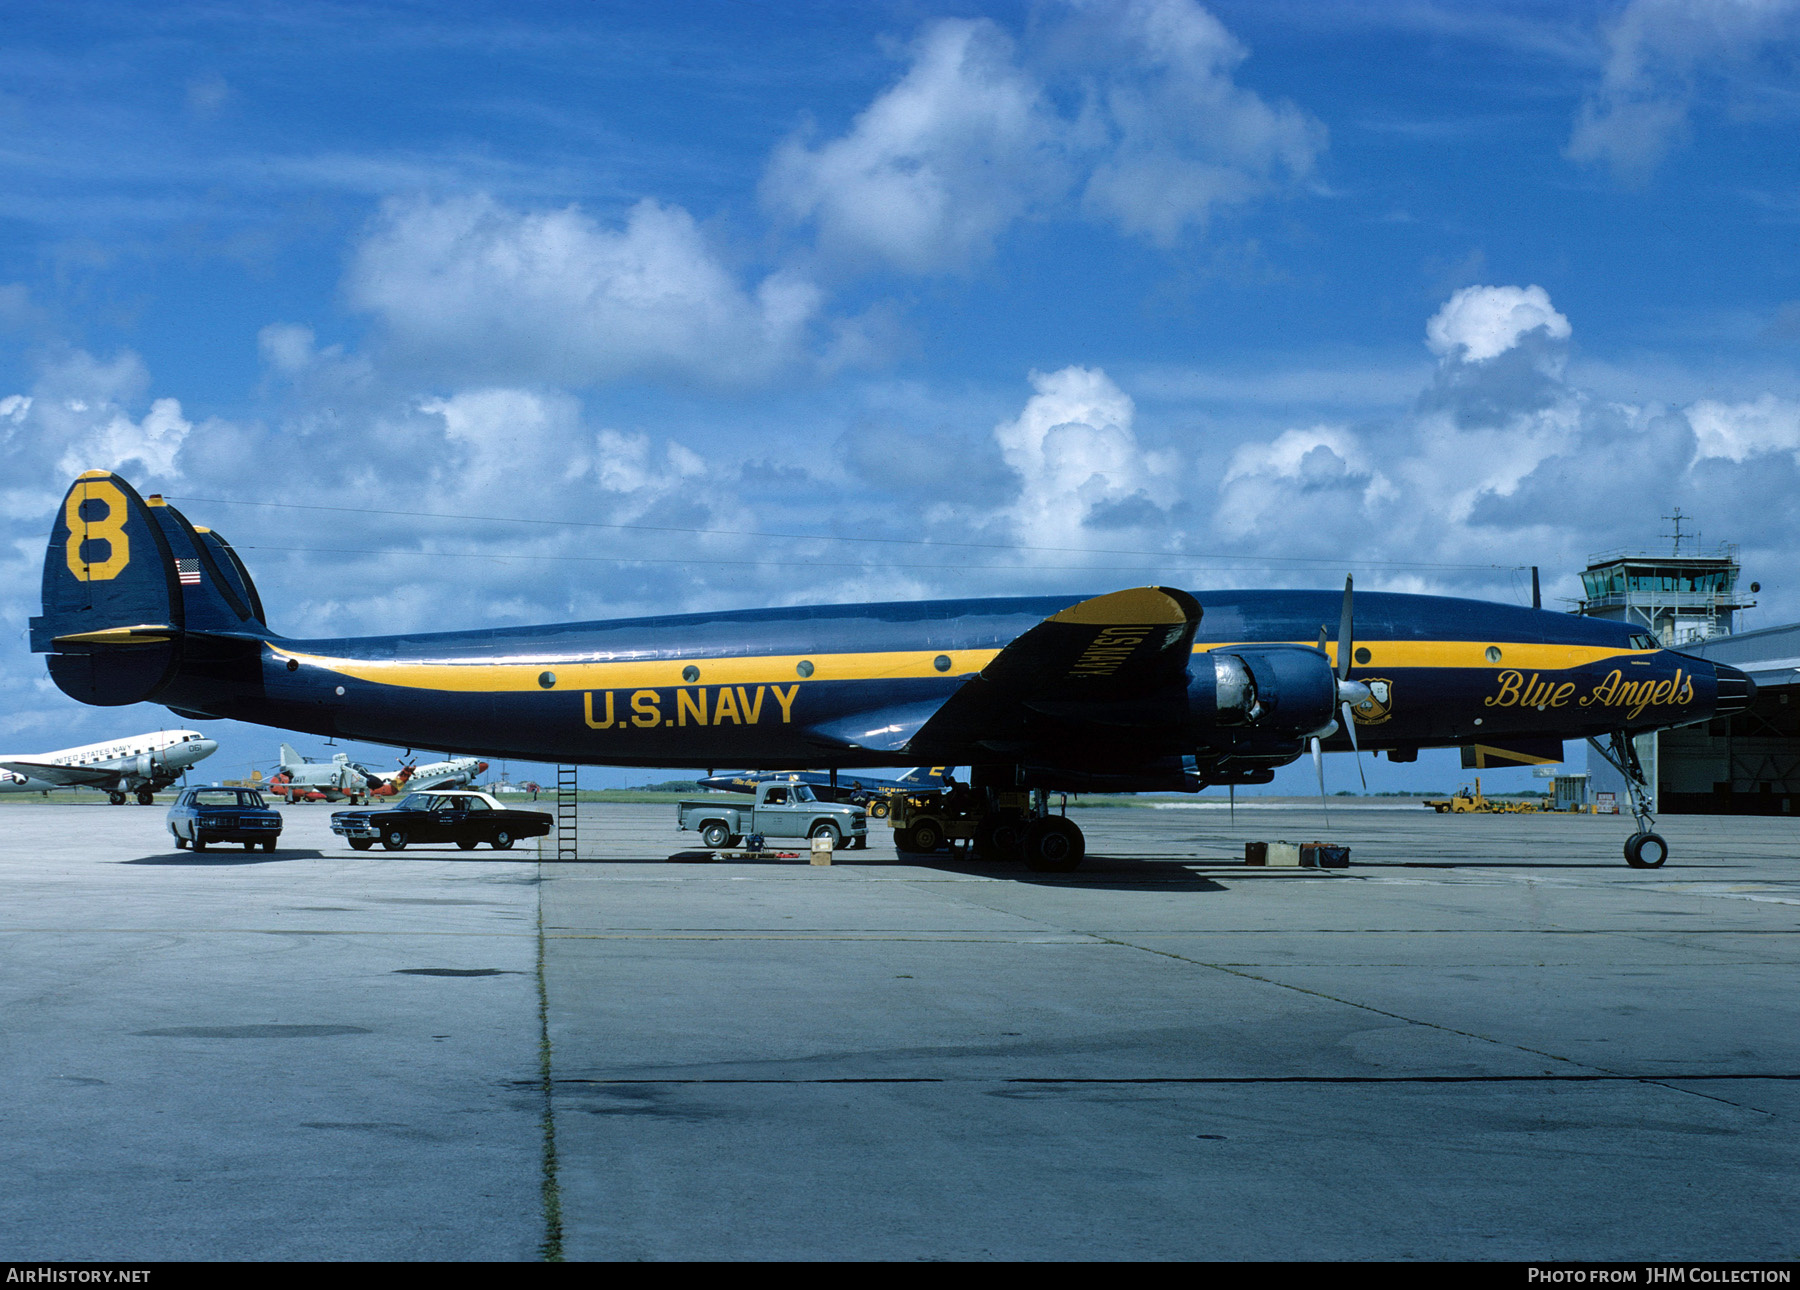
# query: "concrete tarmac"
{"type": "Point", "coordinates": [1488, 1039]}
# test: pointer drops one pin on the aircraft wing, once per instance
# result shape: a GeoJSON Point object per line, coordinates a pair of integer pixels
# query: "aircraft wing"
{"type": "Point", "coordinates": [1108, 661]}
{"type": "Point", "coordinates": [67, 776]}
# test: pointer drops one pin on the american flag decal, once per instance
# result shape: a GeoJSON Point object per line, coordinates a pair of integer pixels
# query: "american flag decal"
{"type": "Point", "coordinates": [189, 572]}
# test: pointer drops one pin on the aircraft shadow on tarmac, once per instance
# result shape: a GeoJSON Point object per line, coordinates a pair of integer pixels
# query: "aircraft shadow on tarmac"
{"type": "Point", "coordinates": [221, 859]}
{"type": "Point", "coordinates": [1097, 871]}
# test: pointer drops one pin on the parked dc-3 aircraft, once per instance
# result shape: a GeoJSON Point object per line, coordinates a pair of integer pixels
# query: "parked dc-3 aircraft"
{"type": "Point", "coordinates": [1140, 689]}
{"type": "Point", "coordinates": [142, 764]}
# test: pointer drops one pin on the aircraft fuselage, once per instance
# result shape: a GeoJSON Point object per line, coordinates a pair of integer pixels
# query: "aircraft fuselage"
{"type": "Point", "coordinates": [768, 689]}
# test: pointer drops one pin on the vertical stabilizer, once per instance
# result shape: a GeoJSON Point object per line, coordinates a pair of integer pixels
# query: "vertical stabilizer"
{"type": "Point", "coordinates": [113, 613]}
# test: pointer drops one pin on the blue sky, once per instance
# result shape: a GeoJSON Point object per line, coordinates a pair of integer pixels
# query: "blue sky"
{"type": "Point", "coordinates": [1248, 294]}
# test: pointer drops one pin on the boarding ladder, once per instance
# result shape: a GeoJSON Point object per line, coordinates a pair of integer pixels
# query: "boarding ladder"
{"type": "Point", "coordinates": [567, 847]}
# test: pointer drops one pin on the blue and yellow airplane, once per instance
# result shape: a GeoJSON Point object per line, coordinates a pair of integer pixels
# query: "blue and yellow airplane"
{"type": "Point", "coordinates": [855, 788]}
{"type": "Point", "coordinates": [1149, 688]}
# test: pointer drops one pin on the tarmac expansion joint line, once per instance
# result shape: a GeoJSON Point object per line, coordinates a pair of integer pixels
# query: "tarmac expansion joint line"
{"type": "Point", "coordinates": [1659, 1081]}
{"type": "Point", "coordinates": [551, 1250]}
{"type": "Point", "coordinates": [1568, 1077]}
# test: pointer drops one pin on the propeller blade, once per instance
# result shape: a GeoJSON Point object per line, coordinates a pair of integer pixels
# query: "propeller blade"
{"type": "Point", "coordinates": [1346, 635]}
{"type": "Point", "coordinates": [1350, 729]}
{"type": "Point", "coordinates": [1319, 765]}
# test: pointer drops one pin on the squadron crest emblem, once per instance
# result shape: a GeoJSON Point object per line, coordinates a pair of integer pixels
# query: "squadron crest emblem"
{"type": "Point", "coordinates": [1379, 706]}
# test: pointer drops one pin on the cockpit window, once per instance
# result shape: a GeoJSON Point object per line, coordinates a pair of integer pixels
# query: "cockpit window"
{"type": "Point", "coordinates": [1642, 640]}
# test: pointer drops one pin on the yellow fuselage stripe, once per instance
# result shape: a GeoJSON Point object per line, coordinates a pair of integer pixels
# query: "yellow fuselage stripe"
{"type": "Point", "coordinates": [500, 676]}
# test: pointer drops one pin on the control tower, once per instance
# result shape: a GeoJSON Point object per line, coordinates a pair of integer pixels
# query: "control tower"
{"type": "Point", "coordinates": [1681, 598]}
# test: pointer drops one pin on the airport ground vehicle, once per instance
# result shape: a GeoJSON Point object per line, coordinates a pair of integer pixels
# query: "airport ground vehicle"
{"type": "Point", "coordinates": [857, 789]}
{"type": "Point", "coordinates": [781, 810]}
{"type": "Point", "coordinates": [463, 817]}
{"type": "Point", "coordinates": [1468, 800]}
{"type": "Point", "coordinates": [202, 816]}
{"type": "Point", "coordinates": [996, 825]}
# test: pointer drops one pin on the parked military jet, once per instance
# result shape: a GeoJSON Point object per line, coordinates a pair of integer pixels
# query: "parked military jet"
{"type": "Point", "coordinates": [1141, 689]}
{"type": "Point", "coordinates": [457, 772]}
{"type": "Point", "coordinates": [300, 780]}
{"type": "Point", "coordinates": [141, 765]}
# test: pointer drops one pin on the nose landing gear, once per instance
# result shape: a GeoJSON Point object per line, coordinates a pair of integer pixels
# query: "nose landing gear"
{"type": "Point", "coordinates": [1644, 849]}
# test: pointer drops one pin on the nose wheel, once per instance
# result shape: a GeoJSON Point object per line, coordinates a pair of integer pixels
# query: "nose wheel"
{"type": "Point", "coordinates": [1644, 849]}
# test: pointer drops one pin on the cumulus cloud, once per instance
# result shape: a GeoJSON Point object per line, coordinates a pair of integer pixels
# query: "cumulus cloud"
{"type": "Point", "coordinates": [1327, 464]}
{"type": "Point", "coordinates": [1504, 459]}
{"type": "Point", "coordinates": [474, 286]}
{"type": "Point", "coordinates": [971, 139]}
{"type": "Point", "coordinates": [1739, 431]}
{"type": "Point", "coordinates": [1181, 136]}
{"type": "Point", "coordinates": [1480, 323]}
{"type": "Point", "coordinates": [937, 165]}
{"type": "Point", "coordinates": [1077, 457]}
{"type": "Point", "coordinates": [497, 439]}
{"type": "Point", "coordinates": [1657, 50]}
{"type": "Point", "coordinates": [78, 417]}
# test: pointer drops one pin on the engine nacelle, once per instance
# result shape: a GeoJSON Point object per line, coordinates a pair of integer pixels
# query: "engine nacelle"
{"type": "Point", "coordinates": [1277, 693]}
{"type": "Point", "coordinates": [144, 767]}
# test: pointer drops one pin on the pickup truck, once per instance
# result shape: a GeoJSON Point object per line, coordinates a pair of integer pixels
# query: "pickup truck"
{"type": "Point", "coordinates": [779, 811]}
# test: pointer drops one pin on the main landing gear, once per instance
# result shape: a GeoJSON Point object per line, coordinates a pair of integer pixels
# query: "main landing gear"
{"type": "Point", "coordinates": [995, 823]}
{"type": "Point", "coordinates": [1644, 849]}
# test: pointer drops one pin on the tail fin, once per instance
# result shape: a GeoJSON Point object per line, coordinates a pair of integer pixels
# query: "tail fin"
{"type": "Point", "coordinates": [113, 612]}
{"type": "Point", "coordinates": [289, 758]}
{"type": "Point", "coordinates": [234, 579]}
{"type": "Point", "coordinates": [126, 580]}
{"type": "Point", "coordinates": [923, 776]}
{"type": "Point", "coordinates": [216, 592]}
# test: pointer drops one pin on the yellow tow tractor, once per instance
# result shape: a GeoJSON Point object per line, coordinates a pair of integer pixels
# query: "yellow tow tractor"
{"type": "Point", "coordinates": [1468, 800]}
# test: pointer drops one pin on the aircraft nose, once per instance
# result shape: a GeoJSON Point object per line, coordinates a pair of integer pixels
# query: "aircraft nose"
{"type": "Point", "coordinates": [207, 747]}
{"type": "Point", "coordinates": [1736, 690]}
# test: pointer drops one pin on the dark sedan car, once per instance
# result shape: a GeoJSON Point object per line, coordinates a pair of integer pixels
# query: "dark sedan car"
{"type": "Point", "coordinates": [460, 816]}
{"type": "Point", "coordinates": [202, 816]}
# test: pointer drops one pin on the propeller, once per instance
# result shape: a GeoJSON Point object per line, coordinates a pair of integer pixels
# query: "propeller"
{"type": "Point", "coordinates": [1349, 692]}
{"type": "Point", "coordinates": [1319, 766]}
